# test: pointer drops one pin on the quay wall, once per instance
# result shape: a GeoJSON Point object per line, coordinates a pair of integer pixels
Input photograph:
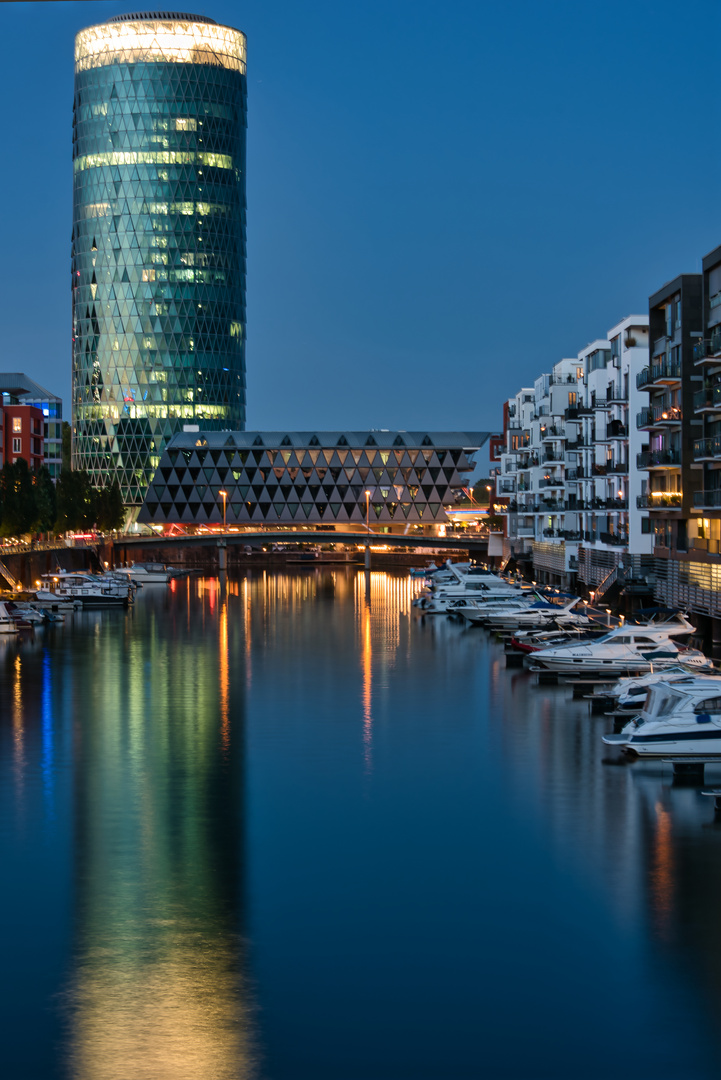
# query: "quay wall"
{"type": "Point", "coordinates": [28, 566]}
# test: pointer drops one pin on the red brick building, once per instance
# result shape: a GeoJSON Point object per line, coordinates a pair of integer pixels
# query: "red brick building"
{"type": "Point", "coordinates": [21, 435]}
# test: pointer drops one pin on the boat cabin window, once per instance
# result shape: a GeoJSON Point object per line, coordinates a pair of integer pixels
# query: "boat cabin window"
{"type": "Point", "coordinates": [710, 705]}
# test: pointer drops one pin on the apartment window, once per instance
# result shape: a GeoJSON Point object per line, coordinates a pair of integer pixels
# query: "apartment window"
{"type": "Point", "coordinates": [677, 313]}
{"type": "Point", "coordinates": [669, 319]}
{"type": "Point", "coordinates": [572, 399]}
{"type": "Point", "coordinates": [17, 423]}
{"type": "Point", "coordinates": [17, 447]}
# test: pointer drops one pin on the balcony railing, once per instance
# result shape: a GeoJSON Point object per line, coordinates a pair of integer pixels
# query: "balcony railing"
{"type": "Point", "coordinates": [645, 417]}
{"type": "Point", "coordinates": [651, 459]}
{"type": "Point", "coordinates": [664, 371]}
{"type": "Point", "coordinates": [706, 448]}
{"type": "Point", "coordinates": [617, 467]}
{"type": "Point", "coordinates": [563, 380]}
{"type": "Point", "coordinates": [710, 499]}
{"type": "Point", "coordinates": [659, 500]}
{"type": "Point", "coordinates": [709, 348]}
{"type": "Point", "coordinates": [551, 481]}
{"type": "Point", "coordinates": [617, 539]}
{"type": "Point", "coordinates": [707, 398]}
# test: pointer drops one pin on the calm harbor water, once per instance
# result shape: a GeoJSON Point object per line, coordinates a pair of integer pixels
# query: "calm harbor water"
{"type": "Point", "coordinates": [278, 830]}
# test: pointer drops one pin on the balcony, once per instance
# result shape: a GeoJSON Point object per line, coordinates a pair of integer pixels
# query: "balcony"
{"type": "Point", "coordinates": [708, 399]}
{"type": "Point", "coordinates": [659, 500]}
{"type": "Point", "coordinates": [555, 458]}
{"type": "Point", "coordinates": [577, 411]}
{"type": "Point", "coordinates": [658, 459]}
{"type": "Point", "coordinates": [552, 433]}
{"type": "Point", "coordinates": [616, 539]}
{"type": "Point", "coordinates": [664, 372]}
{"type": "Point", "coordinates": [707, 500]}
{"type": "Point", "coordinates": [707, 449]}
{"type": "Point", "coordinates": [551, 481]}
{"type": "Point", "coordinates": [505, 487]}
{"type": "Point", "coordinates": [708, 351]}
{"type": "Point", "coordinates": [614, 430]}
{"type": "Point", "coordinates": [563, 380]}
{"type": "Point", "coordinates": [617, 467]}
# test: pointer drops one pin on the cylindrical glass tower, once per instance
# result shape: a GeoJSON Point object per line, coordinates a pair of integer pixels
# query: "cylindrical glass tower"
{"type": "Point", "coordinates": [158, 242]}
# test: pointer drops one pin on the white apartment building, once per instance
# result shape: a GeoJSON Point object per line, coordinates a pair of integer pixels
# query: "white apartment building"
{"type": "Point", "coordinates": [572, 501]}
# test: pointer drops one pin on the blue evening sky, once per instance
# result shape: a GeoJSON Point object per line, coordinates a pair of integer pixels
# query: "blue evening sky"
{"type": "Point", "coordinates": [443, 198]}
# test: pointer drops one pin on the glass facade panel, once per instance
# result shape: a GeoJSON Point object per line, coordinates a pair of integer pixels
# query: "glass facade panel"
{"type": "Point", "coordinates": [158, 241]}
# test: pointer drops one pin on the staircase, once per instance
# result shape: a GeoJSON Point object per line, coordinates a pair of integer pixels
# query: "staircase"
{"type": "Point", "coordinates": [610, 579]}
{"type": "Point", "coordinates": [12, 581]}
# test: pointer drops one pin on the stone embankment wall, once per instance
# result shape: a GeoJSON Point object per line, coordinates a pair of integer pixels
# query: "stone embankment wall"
{"type": "Point", "coordinates": [28, 566]}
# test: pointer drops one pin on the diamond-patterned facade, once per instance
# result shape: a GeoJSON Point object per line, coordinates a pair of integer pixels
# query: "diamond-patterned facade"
{"type": "Point", "coordinates": [309, 477]}
{"type": "Point", "coordinates": [158, 243]}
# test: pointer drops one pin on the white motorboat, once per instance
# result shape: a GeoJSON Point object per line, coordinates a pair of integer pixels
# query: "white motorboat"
{"type": "Point", "coordinates": [85, 590]}
{"type": "Point", "coordinates": [150, 573]}
{"type": "Point", "coordinates": [7, 623]}
{"type": "Point", "coordinates": [540, 614]}
{"type": "Point", "coordinates": [628, 649]}
{"type": "Point", "coordinates": [629, 693]}
{"type": "Point", "coordinates": [682, 719]}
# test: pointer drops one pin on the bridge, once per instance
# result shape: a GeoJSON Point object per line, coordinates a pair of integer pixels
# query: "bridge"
{"type": "Point", "coordinates": [256, 539]}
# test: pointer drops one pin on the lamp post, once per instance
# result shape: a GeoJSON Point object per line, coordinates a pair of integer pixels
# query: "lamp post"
{"type": "Point", "coordinates": [368, 531]}
{"type": "Point", "coordinates": [224, 496]}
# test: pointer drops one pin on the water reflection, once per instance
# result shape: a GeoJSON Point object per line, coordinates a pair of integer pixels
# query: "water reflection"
{"type": "Point", "coordinates": [159, 988]}
{"type": "Point", "coordinates": [408, 845]}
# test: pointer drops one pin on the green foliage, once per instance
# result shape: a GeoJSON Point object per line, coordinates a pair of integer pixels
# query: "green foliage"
{"type": "Point", "coordinates": [76, 500]}
{"type": "Point", "coordinates": [67, 446]}
{"type": "Point", "coordinates": [481, 494]}
{"type": "Point", "coordinates": [17, 499]}
{"type": "Point", "coordinates": [110, 509]}
{"type": "Point", "coordinates": [30, 502]}
{"type": "Point", "coordinates": [45, 500]}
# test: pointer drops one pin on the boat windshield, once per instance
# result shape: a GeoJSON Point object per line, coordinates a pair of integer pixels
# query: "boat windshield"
{"type": "Point", "coordinates": [661, 701]}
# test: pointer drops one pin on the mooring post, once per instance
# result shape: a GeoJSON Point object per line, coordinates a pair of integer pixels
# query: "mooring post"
{"type": "Point", "coordinates": [222, 556]}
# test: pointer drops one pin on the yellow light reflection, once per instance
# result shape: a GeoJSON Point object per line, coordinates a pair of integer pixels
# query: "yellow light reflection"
{"type": "Point", "coordinates": [367, 666]}
{"type": "Point", "coordinates": [18, 730]}
{"type": "Point", "coordinates": [662, 872]}
{"type": "Point", "coordinates": [224, 677]}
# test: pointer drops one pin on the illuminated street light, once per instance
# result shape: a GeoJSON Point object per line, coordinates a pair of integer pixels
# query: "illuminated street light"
{"type": "Point", "coordinates": [224, 495]}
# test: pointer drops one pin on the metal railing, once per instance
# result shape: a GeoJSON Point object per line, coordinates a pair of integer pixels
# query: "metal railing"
{"type": "Point", "coordinates": [706, 448]}
{"type": "Point", "coordinates": [659, 500]}
{"type": "Point", "coordinates": [666, 369]}
{"type": "Point", "coordinates": [709, 498]}
{"type": "Point", "coordinates": [651, 458]}
{"type": "Point", "coordinates": [707, 398]}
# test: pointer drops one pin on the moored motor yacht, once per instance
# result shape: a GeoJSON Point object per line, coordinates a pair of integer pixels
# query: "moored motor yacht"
{"type": "Point", "coordinates": [678, 720]}
{"type": "Point", "coordinates": [628, 649]}
{"type": "Point", "coordinates": [7, 623]}
{"type": "Point", "coordinates": [540, 614]}
{"type": "Point", "coordinates": [85, 590]}
{"type": "Point", "coordinates": [150, 573]}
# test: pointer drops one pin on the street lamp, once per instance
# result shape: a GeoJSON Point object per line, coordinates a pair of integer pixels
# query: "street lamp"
{"type": "Point", "coordinates": [224, 495]}
{"type": "Point", "coordinates": [368, 531]}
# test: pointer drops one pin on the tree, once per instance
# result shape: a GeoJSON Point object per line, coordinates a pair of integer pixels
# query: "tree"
{"type": "Point", "coordinates": [77, 501]}
{"type": "Point", "coordinates": [17, 498]}
{"type": "Point", "coordinates": [481, 494]}
{"type": "Point", "coordinates": [67, 446]}
{"type": "Point", "coordinates": [45, 500]}
{"type": "Point", "coordinates": [111, 512]}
